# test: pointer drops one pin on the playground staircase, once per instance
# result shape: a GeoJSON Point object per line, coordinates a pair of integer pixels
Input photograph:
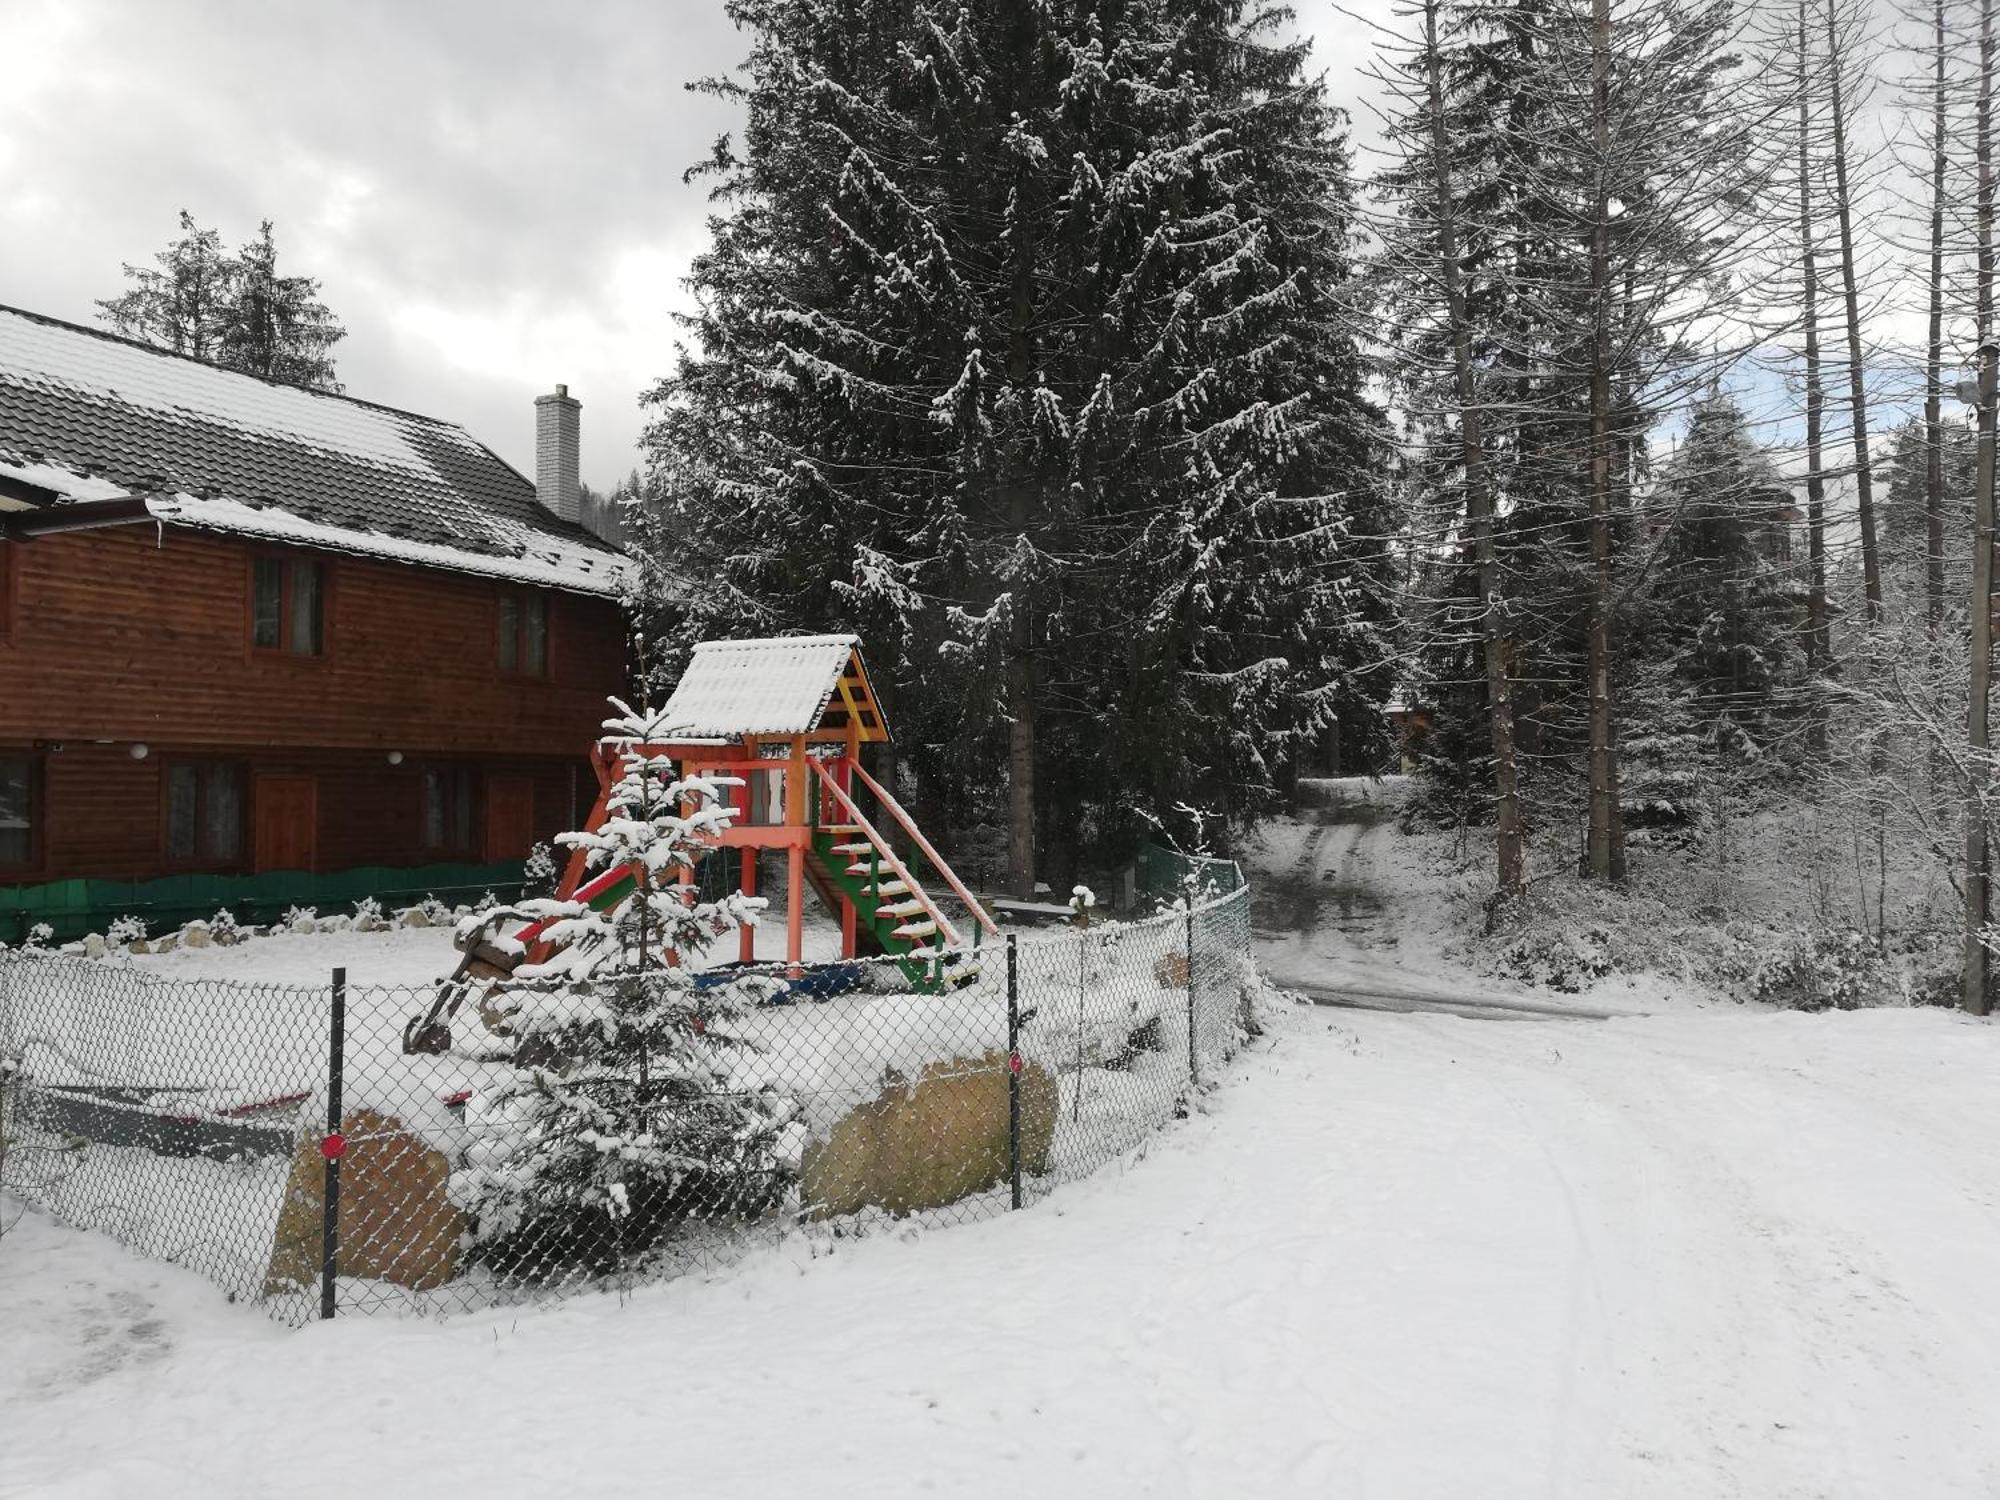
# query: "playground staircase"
{"type": "Point", "coordinates": [890, 903]}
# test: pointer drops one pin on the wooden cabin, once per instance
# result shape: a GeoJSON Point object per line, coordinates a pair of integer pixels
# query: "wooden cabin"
{"type": "Point", "coordinates": [250, 630]}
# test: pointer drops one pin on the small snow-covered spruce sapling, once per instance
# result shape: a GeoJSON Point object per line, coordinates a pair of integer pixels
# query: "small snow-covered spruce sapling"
{"type": "Point", "coordinates": [625, 1117]}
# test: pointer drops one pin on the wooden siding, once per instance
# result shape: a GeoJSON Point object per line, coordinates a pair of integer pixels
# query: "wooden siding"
{"type": "Point", "coordinates": [129, 634]}
{"type": "Point", "coordinates": [124, 637]}
{"type": "Point", "coordinates": [104, 813]}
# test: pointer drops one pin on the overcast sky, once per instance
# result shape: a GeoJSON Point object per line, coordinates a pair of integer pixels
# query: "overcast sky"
{"type": "Point", "coordinates": [488, 190]}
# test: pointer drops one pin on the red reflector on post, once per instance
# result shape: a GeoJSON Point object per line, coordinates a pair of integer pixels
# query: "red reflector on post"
{"type": "Point", "coordinates": [1013, 1062]}
{"type": "Point", "coordinates": [333, 1147]}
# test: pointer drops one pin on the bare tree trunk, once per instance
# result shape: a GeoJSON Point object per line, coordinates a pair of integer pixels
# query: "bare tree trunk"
{"type": "Point", "coordinates": [1978, 874]}
{"type": "Point", "coordinates": [1022, 513]}
{"type": "Point", "coordinates": [1509, 842]}
{"type": "Point", "coordinates": [1020, 767]}
{"type": "Point", "coordinates": [1934, 350]}
{"type": "Point", "coordinates": [1857, 390]}
{"type": "Point", "coordinates": [1605, 842]}
{"type": "Point", "coordinates": [1818, 636]}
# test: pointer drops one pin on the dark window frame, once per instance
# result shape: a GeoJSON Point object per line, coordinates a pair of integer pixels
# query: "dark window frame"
{"type": "Point", "coordinates": [512, 611]}
{"type": "Point", "coordinates": [289, 565]}
{"type": "Point", "coordinates": [38, 809]}
{"type": "Point", "coordinates": [461, 790]}
{"type": "Point", "coordinates": [203, 859]}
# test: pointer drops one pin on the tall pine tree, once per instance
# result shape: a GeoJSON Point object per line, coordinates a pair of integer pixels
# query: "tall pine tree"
{"type": "Point", "coordinates": [234, 310]}
{"type": "Point", "coordinates": [276, 326]}
{"type": "Point", "coordinates": [1022, 351]}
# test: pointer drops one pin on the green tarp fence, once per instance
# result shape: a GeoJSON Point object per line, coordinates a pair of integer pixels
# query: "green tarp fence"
{"type": "Point", "coordinates": [1157, 875]}
{"type": "Point", "coordinates": [72, 908]}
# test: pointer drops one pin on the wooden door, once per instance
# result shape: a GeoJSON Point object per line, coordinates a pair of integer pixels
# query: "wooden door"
{"type": "Point", "coordinates": [510, 815]}
{"type": "Point", "coordinates": [287, 817]}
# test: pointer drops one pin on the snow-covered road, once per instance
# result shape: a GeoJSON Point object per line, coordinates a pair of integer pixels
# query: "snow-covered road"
{"type": "Point", "coordinates": [1403, 1255]}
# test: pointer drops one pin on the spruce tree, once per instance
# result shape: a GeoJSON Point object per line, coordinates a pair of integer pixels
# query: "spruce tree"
{"type": "Point", "coordinates": [276, 326]}
{"type": "Point", "coordinates": [179, 303]}
{"type": "Point", "coordinates": [1022, 353]}
{"type": "Point", "coordinates": [235, 311]}
{"type": "Point", "coordinates": [1606, 162]}
{"type": "Point", "coordinates": [1725, 607]}
{"type": "Point", "coordinates": [623, 1117]}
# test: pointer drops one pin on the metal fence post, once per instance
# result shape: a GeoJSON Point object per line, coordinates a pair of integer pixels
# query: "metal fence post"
{"type": "Point", "coordinates": [1194, 1060]}
{"type": "Point", "coordinates": [1013, 1075]}
{"type": "Point", "coordinates": [333, 1145]}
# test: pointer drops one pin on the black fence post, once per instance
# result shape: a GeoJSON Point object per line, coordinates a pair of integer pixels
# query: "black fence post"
{"type": "Point", "coordinates": [1013, 1075]}
{"type": "Point", "coordinates": [1194, 1059]}
{"type": "Point", "coordinates": [333, 1145]}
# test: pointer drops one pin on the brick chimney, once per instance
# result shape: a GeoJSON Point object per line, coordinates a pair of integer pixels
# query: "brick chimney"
{"type": "Point", "coordinates": [557, 454]}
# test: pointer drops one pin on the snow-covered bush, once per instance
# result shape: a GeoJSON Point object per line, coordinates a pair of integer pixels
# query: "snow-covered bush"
{"type": "Point", "coordinates": [224, 928]}
{"type": "Point", "coordinates": [541, 872]}
{"type": "Point", "coordinates": [300, 919]}
{"type": "Point", "coordinates": [367, 914]}
{"type": "Point", "coordinates": [621, 1121]}
{"type": "Point", "coordinates": [125, 931]}
{"type": "Point", "coordinates": [1558, 957]}
{"type": "Point", "coordinates": [1823, 970]}
{"type": "Point", "coordinates": [39, 936]}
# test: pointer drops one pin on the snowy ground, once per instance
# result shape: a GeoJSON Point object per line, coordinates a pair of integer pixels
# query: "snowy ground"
{"type": "Point", "coordinates": [404, 955]}
{"type": "Point", "coordinates": [1708, 1251]}
{"type": "Point", "coordinates": [1404, 1255]}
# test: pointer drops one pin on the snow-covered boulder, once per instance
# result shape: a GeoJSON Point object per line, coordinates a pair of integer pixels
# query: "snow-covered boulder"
{"type": "Point", "coordinates": [396, 1222]}
{"type": "Point", "coordinates": [94, 945]}
{"type": "Point", "coordinates": [932, 1143]}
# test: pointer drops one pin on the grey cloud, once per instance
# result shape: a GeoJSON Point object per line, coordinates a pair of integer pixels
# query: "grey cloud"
{"type": "Point", "coordinates": [489, 190]}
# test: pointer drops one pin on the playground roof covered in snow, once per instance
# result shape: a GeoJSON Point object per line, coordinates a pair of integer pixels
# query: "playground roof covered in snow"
{"type": "Point", "coordinates": [783, 685]}
{"type": "Point", "coordinates": [89, 417]}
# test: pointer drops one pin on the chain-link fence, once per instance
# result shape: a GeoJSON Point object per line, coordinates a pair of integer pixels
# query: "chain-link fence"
{"type": "Point", "coordinates": [358, 1147]}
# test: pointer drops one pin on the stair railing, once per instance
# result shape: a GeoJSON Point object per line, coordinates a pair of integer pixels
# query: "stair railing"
{"type": "Point", "coordinates": [909, 827]}
{"type": "Point", "coordinates": [901, 871]}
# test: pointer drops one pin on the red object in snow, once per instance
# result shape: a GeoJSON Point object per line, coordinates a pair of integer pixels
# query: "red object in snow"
{"type": "Point", "coordinates": [333, 1147]}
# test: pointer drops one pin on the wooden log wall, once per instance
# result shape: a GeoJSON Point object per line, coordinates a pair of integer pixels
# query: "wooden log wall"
{"type": "Point", "coordinates": [133, 636]}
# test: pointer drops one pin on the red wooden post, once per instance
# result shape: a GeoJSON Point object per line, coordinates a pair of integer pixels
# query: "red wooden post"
{"type": "Point", "coordinates": [799, 823]}
{"type": "Point", "coordinates": [742, 800]}
{"type": "Point", "coordinates": [849, 943]}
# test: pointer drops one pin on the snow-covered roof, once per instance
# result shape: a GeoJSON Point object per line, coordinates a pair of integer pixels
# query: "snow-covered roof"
{"type": "Point", "coordinates": [90, 416]}
{"type": "Point", "coordinates": [780, 685]}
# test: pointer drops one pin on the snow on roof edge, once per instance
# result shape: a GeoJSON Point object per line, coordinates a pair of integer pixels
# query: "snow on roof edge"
{"type": "Point", "coordinates": [65, 482]}
{"type": "Point", "coordinates": [575, 569]}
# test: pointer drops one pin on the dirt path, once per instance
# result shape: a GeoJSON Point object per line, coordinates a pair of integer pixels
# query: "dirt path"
{"type": "Point", "coordinates": [1339, 919]}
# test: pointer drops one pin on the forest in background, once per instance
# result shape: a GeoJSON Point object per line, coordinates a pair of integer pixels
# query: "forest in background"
{"type": "Point", "coordinates": [1602, 428]}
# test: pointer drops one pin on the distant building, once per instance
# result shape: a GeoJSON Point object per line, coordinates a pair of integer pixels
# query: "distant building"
{"type": "Point", "coordinates": [253, 635]}
{"type": "Point", "coordinates": [1776, 513]}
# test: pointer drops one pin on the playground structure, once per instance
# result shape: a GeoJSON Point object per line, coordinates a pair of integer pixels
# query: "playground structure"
{"type": "Point", "coordinates": [784, 720]}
